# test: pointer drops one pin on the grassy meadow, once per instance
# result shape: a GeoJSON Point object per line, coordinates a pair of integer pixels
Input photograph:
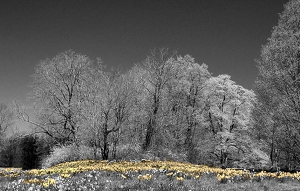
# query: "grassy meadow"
{"type": "Point", "coordinates": [60, 173]}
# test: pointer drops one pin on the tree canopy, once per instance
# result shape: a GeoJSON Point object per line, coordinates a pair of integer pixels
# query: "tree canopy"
{"type": "Point", "coordinates": [278, 86]}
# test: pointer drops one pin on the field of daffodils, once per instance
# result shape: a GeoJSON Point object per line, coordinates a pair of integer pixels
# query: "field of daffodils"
{"type": "Point", "coordinates": [142, 175]}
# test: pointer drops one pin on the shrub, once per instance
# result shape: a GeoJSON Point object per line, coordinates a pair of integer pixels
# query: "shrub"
{"type": "Point", "coordinates": [11, 153]}
{"type": "Point", "coordinates": [134, 152]}
{"type": "Point", "coordinates": [29, 152]}
{"type": "Point", "coordinates": [163, 154]}
{"type": "Point", "coordinates": [66, 154]}
{"type": "Point", "coordinates": [128, 152]}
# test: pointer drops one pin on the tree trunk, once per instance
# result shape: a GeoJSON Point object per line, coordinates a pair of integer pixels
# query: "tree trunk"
{"type": "Point", "coordinates": [105, 149]}
{"type": "Point", "coordinates": [211, 124]}
{"type": "Point", "coordinates": [149, 136]}
{"type": "Point", "coordinates": [188, 140]}
{"type": "Point", "coordinates": [115, 143]}
{"type": "Point", "coordinates": [223, 159]}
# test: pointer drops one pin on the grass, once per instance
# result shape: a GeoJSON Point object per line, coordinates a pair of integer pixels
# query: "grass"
{"type": "Point", "coordinates": [142, 175]}
{"type": "Point", "coordinates": [65, 169]}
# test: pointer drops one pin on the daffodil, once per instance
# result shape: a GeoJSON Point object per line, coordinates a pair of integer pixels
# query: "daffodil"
{"type": "Point", "coordinates": [147, 176]}
{"type": "Point", "coordinates": [179, 178]}
{"type": "Point", "coordinates": [65, 175]}
{"type": "Point", "coordinates": [124, 176]}
{"type": "Point", "coordinates": [45, 184]}
{"type": "Point", "coordinates": [51, 181]}
{"type": "Point", "coordinates": [140, 177]}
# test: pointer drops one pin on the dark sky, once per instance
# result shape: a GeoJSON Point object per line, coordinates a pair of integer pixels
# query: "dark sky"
{"type": "Point", "coordinates": [225, 34]}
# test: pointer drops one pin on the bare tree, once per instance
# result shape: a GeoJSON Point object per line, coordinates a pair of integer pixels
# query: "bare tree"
{"type": "Point", "coordinates": [107, 108]}
{"type": "Point", "coordinates": [186, 96]}
{"type": "Point", "coordinates": [6, 120]}
{"type": "Point", "coordinates": [57, 95]}
{"type": "Point", "coordinates": [158, 68]}
{"type": "Point", "coordinates": [278, 85]}
{"type": "Point", "coordinates": [229, 116]}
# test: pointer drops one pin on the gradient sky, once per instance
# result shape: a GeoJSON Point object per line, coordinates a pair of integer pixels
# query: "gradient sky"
{"type": "Point", "coordinates": [225, 34]}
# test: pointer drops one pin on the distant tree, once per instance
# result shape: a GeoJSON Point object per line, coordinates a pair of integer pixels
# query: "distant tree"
{"type": "Point", "coordinates": [106, 109]}
{"type": "Point", "coordinates": [185, 100]}
{"type": "Point", "coordinates": [229, 116]}
{"type": "Point", "coordinates": [7, 154]}
{"type": "Point", "coordinates": [10, 153]}
{"type": "Point", "coordinates": [157, 69]}
{"type": "Point", "coordinates": [29, 152]}
{"type": "Point", "coordinates": [6, 120]}
{"type": "Point", "coordinates": [44, 145]}
{"type": "Point", "coordinates": [134, 133]}
{"type": "Point", "coordinates": [21, 151]}
{"type": "Point", "coordinates": [267, 131]}
{"type": "Point", "coordinates": [125, 99]}
{"type": "Point", "coordinates": [57, 95]}
{"type": "Point", "coordinates": [6, 123]}
{"type": "Point", "coordinates": [278, 85]}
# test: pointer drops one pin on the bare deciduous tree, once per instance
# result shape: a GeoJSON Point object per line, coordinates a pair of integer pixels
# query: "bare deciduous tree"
{"type": "Point", "coordinates": [6, 120]}
{"type": "Point", "coordinates": [229, 115]}
{"type": "Point", "coordinates": [278, 85]}
{"type": "Point", "coordinates": [186, 96]}
{"type": "Point", "coordinates": [107, 108]}
{"type": "Point", "coordinates": [158, 68]}
{"type": "Point", "coordinates": [57, 95]}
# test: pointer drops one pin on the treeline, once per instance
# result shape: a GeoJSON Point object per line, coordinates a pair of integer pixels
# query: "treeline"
{"type": "Point", "coordinates": [169, 102]}
{"type": "Point", "coordinates": [277, 113]}
{"type": "Point", "coordinates": [26, 152]}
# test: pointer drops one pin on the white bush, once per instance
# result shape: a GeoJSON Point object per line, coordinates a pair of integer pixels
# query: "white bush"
{"type": "Point", "coordinates": [67, 154]}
